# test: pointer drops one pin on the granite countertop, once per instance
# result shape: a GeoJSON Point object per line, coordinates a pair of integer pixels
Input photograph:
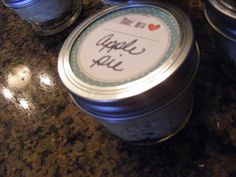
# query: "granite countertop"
{"type": "Point", "coordinates": [42, 133]}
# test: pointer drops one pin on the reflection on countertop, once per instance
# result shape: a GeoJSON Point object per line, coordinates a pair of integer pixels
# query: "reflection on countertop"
{"type": "Point", "coordinates": [20, 77]}
{"type": "Point", "coordinates": [42, 133]}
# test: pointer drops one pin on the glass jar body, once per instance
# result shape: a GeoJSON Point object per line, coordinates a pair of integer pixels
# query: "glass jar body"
{"type": "Point", "coordinates": [157, 125]}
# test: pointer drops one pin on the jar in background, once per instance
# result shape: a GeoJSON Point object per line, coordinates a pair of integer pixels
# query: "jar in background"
{"type": "Point", "coordinates": [131, 67]}
{"type": "Point", "coordinates": [47, 17]}
{"type": "Point", "coordinates": [221, 15]}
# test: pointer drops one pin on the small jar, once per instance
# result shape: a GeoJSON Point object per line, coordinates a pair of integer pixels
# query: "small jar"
{"type": "Point", "coordinates": [46, 16]}
{"type": "Point", "coordinates": [221, 15]}
{"type": "Point", "coordinates": [131, 67]}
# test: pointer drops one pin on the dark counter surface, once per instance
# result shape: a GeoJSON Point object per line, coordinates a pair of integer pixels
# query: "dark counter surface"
{"type": "Point", "coordinates": [42, 133]}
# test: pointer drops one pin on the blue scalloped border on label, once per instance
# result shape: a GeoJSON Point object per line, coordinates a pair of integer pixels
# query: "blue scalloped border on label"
{"type": "Point", "coordinates": [160, 13]}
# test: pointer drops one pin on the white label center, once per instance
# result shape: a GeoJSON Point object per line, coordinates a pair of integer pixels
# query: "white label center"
{"type": "Point", "coordinates": [124, 47]}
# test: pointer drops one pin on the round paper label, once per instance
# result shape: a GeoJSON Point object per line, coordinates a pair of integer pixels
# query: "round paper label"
{"type": "Point", "coordinates": [124, 46]}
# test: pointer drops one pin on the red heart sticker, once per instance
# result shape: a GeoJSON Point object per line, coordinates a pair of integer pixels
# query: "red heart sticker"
{"type": "Point", "coordinates": [153, 27]}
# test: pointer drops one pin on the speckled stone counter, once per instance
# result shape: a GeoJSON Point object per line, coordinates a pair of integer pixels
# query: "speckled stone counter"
{"type": "Point", "coordinates": [42, 133]}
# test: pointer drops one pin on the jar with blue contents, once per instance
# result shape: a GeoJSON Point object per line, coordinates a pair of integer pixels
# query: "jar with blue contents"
{"type": "Point", "coordinates": [131, 67]}
{"type": "Point", "coordinates": [221, 15]}
{"type": "Point", "coordinates": [46, 16]}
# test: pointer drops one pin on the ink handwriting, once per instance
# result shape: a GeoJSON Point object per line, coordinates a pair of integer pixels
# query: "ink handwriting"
{"type": "Point", "coordinates": [108, 62]}
{"type": "Point", "coordinates": [108, 43]}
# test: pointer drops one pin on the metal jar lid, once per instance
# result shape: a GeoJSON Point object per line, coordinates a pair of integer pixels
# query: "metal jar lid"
{"type": "Point", "coordinates": [128, 59]}
{"type": "Point", "coordinates": [221, 14]}
{"type": "Point", "coordinates": [15, 4]}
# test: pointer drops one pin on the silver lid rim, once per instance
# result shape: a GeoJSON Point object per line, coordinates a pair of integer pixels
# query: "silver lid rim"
{"type": "Point", "coordinates": [217, 29]}
{"type": "Point", "coordinates": [223, 8]}
{"type": "Point", "coordinates": [129, 89]}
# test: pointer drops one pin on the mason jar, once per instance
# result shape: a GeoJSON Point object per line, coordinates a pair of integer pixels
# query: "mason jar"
{"type": "Point", "coordinates": [131, 67]}
{"type": "Point", "coordinates": [46, 16]}
{"type": "Point", "coordinates": [221, 15]}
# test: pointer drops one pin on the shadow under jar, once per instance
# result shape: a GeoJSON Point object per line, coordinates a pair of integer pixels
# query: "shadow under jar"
{"type": "Point", "coordinates": [131, 67]}
{"type": "Point", "coordinates": [47, 17]}
{"type": "Point", "coordinates": [221, 15]}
